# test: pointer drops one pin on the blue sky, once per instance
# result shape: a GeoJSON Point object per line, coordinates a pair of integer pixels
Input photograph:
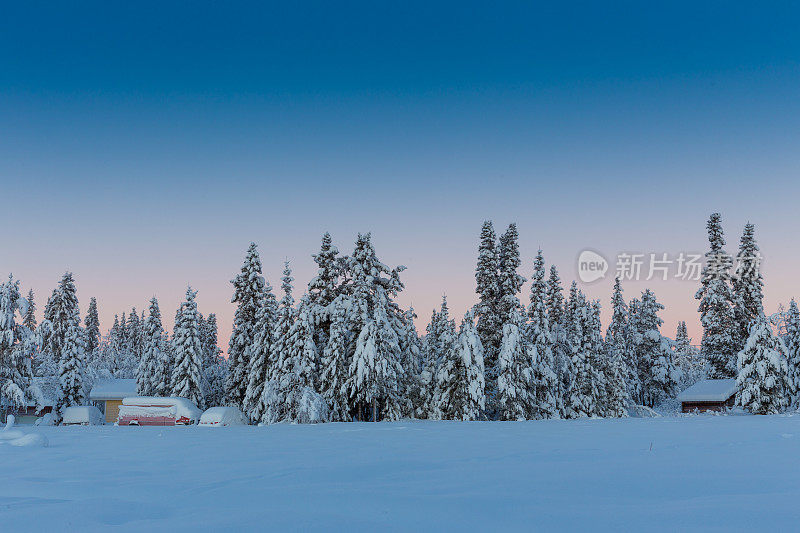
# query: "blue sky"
{"type": "Point", "coordinates": [144, 146]}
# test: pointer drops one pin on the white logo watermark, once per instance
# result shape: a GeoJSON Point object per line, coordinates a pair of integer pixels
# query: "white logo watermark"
{"type": "Point", "coordinates": [684, 266]}
{"type": "Point", "coordinates": [591, 266]}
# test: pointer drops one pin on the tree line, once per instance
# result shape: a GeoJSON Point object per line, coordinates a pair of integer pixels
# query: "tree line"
{"type": "Point", "coordinates": [346, 350]}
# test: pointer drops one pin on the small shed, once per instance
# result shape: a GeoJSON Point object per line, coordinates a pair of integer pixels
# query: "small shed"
{"type": "Point", "coordinates": [107, 395]}
{"type": "Point", "coordinates": [709, 395]}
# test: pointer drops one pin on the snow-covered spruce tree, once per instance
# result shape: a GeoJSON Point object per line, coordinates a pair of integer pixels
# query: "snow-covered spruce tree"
{"type": "Point", "coordinates": [148, 372]}
{"type": "Point", "coordinates": [248, 293]}
{"type": "Point", "coordinates": [16, 347]}
{"type": "Point", "coordinates": [762, 371]}
{"type": "Point", "coordinates": [70, 370]}
{"type": "Point", "coordinates": [215, 366]}
{"type": "Point", "coordinates": [508, 262]}
{"type": "Point", "coordinates": [514, 375]}
{"type": "Point", "coordinates": [187, 376]}
{"type": "Point", "coordinates": [411, 360]}
{"type": "Point", "coordinates": [336, 360]}
{"type": "Point", "coordinates": [441, 343]}
{"type": "Point", "coordinates": [302, 350]}
{"type": "Point", "coordinates": [460, 379]}
{"type": "Point", "coordinates": [92, 327]}
{"type": "Point", "coordinates": [720, 331]}
{"type": "Point", "coordinates": [618, 370]}
{"type": "Point", "coordinates": [573, 343]}
{"type": "Point", "coordinates": [545, 380]}
{"type": "Point", "coordinates": [29, 316]}
{"type": "Point", "coordinates": [792, 341]}
{"type": "Point", "coordinates": [558, 332]}
{"type": "Point", "coordinates": [135, 335]}
{"type": "Point", "coordinates": [61, 312]}
{"type": "Point", "coordinates": [163, 378]}
{"type": "Point", "coordinates": [280, 360]}
{"type": "Point", "coordinates": [490, 322]}
{"type": "Point", "coordinates": [426, 406]}
{"type": "Point", "coordinates": [748, 284]}
{"type": "Point", "coordinates": [323, 289]}
{"type": "Point", "coordinates": [657, 373]}
{"type": "Point", "coordinates": [259, 354]}
{"type": "Point", "coordinates": [373, 381]}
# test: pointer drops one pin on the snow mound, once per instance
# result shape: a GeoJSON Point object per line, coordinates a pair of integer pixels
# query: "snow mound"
{"type": "Point", "coordinates": [48, 419]}
{"type": "Point", "coordinates": [642, 411]}
{"type": "Point", "coordinates": [30, 440]}
{"type": "Point", "coordinates": [222, 416]}
{"type": "Point", "coordinates": [8, 432]}
{"type": "Point", "coordinates": [86, 415]}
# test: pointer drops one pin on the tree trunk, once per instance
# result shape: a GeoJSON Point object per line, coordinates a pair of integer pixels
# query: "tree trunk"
{"type": "Point", "coordinates": [374, 410]}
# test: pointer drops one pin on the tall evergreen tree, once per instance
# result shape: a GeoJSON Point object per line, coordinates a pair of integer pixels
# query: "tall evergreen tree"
{"type": "Point", "coordinates": [793, 356]}
{"type": "Point", "coordinates": [490, 321]}
{"type": "Point", "coordinates": [61, 312]}
{"type": "Point", "coordinates": [514, 376]}
{"type": "Point", "coordinates": [656, 370]}
{"type": "Point", "coordinates": [762, 371]}
{"type": "Point", "coordinates": [336, 361]}
{"type": "Point", "coordinates": [510, 280]}
{"type": "Point", "coordinates": [555, 315]}
{"type": "Point", "coordinates": [148, 373]}
{"type": "Point", "coordinates": [302, 350]}
{"type": "Point", "coordinates": [259, 356]}
{"type": "Point", "coordinates": [187, 376]}
{"type": "Point", "coordinates": [545, 380]}
{"type": "Point", "coordinates": [720, 331]}
{"type": "Point", "coordinates": [70, 370]}
{"type": "Point", "coordinates": [29, 316]}
{"type": "Point", "coordinates": [248, 293]}
{"type": "Point", "coordinates": [92, 327]}
{"type": "Point", "coordinates": [16, 347]}
{"type": "Point", "coordinates": [619, 370]}
{"type": "Point", "coordinates": [748, 284]}
{"type": "Point", "coordinates": [460, 379]}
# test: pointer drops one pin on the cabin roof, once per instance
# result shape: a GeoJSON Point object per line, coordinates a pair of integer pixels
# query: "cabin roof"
{"type": "Point", "coordinates": [709, 390]}
{"type": "Point", "coordinates": [113, 389]}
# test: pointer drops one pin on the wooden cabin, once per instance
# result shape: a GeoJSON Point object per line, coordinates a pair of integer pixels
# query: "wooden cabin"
{"type": "Point", "coordinates": [709, 395]}
{"type": "Point", "coordinates": [107, 395]}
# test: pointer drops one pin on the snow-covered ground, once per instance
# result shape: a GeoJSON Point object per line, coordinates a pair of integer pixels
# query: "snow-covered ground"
{"type": "Point", "coordinates": [700, 473]}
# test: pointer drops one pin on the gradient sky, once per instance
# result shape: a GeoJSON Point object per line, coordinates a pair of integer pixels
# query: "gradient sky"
{"type": "Point", "coordinates": [143, 145]}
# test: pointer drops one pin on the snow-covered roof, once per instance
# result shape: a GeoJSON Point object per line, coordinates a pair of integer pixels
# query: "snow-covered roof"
{"type": "Point", "coordinates": [113, 389]}
{"type": "Point", "coordinates": [709, 390]}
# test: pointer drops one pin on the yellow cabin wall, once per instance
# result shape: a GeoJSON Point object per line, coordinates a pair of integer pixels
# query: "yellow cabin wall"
{"type": "Point", "coordinates": [112, 410]}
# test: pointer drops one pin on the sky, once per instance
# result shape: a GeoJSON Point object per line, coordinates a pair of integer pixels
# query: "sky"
{"type": "Point", "coordinates": [144, 145]}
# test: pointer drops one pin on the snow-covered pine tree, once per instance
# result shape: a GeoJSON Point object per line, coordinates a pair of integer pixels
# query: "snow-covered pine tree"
{"type": "Point", "coordinates": [460, 379]}
{"type": "Point", "coordinates": [336, 360]}
{"type": "Point", "coordinates": [280, 359]}
{"type": "Point", "coordinates": [573, 343]}
{"type": "Point", "coordinates": [411, 360]}
{"type": "Point", "coordinates": [545, 380]}
{"type": "Point", "coordinates": [490, 322]}
{"type": "Point", "coordinates": [147, 374]}
{"type": "Point", "coordinates": [61, 312]}
{"type": "Point", "coordinates": [259, 354]}
{"type": "Point", "coordinates": [248, 293]}
{"type": "Point", "coordinates": [618, 369]}
{"type": "Point", "coordinates": [92, 327]}
{"type": "Point", "coordinates": [555, 316]}
{"type": "Point", "coordinates": [656, 370]}
{"type": "Point", "coordinates": [441, 343]}
{"type": "Point", "coordinates": [29, 316]}
{"type": "Point", "coordinates": [762, 371]}
{"type": "Point", "coordinates": [302, 350]}
{"type": "Point", "coordinates": [163, 378]}
{"type": "Point", "coordinates": [748, 284]}
{"type": "Point", "coordinates": [215, 366]}
{"type": "Point", "coordinates": [375, 369]}
{"type": "Point", "coordinates": [135, 334]}
{"type": "Point", "coordinates": [508, 262]}
{"type": "Point", "coordinates": [16, 347]}
{"type": "Point", "coordinates": [70, 370]}
{"type": "Point", "coordinates": [720, 331]}
{"type": "Point", "coordinates": [187, 376]}
{"type": "Point", "coordinates": [792, 341]}
{"type": "Point", "coordinates": [373, 375]}
{"type": "Point", "coordinates": [323, 289]}
{"type": "Point", "coordinates": [123, 342]}
{"type": "Point", "coordinates": [514, 375]}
